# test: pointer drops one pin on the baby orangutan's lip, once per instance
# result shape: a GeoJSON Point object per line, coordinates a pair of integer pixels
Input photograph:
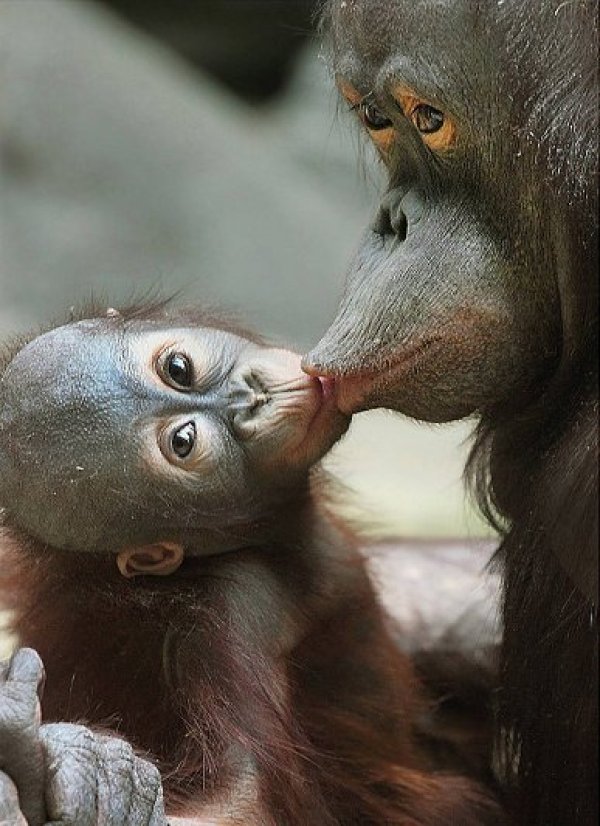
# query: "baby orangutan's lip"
{"type": "Point", "coordinates": [327, 387]}
{"type": "Point", "coordinates": [325, 400]}
{"type": "Point", "coordinates": [327, 422]}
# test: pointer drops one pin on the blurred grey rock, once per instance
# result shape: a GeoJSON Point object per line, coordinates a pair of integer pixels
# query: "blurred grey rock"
{"type": "Point", "coordinates": [122, 171]}
{"type": "Point", "coordinates": [249, 45]}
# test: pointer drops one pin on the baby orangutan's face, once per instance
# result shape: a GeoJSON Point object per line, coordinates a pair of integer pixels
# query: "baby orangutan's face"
{"type": "Point", "coordinates": [118, 432]}
{"type": "Point", "coordinates": [229, 408]}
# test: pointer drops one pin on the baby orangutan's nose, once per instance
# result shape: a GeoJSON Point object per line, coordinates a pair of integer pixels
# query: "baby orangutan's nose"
{"type": "Point", "coordinates": [248, 395]}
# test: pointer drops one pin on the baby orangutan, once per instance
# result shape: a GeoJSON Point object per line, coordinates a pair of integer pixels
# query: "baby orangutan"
{"type": "Point", "coordinates": [168, 551]}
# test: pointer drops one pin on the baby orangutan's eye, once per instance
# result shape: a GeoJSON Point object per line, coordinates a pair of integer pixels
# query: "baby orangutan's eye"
{"type": "Point", "coordinates": [183, 440]}
{"type": "Point", "coordinates": [178, 370]}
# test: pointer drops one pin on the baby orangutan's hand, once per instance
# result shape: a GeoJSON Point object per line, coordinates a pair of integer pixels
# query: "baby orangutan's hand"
{"type": "Point", "coordinates": [62, 774]}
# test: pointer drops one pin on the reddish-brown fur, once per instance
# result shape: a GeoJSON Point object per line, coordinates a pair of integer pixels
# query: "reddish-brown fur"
{"type": "Point", "coordinates": [178, 667]}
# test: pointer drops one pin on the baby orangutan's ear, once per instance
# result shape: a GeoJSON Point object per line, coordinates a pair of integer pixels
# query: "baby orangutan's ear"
{"type": "Point", "coordinates": [160, 559]}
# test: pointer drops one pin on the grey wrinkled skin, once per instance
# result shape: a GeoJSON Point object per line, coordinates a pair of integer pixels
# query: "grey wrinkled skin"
{"type": "Point", "coordinates": [97, 780]}
{"type": "Point", "coordinates": [21, 750]}
{"type": "Point", "coordinates": [10, 812]}
{"type": "Point", "coordinates": [63, 774]}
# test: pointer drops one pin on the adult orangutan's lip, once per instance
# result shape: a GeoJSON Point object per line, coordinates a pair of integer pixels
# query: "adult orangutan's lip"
{"type": "Point", "coordinates": [353, 391]}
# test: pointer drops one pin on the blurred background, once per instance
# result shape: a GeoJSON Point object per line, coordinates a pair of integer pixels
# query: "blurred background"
{"type": "Point", "coordinates": [197, 146]}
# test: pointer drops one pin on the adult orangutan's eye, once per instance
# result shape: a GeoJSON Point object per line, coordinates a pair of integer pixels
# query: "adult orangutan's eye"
{"type": "Point", "coordinates": [374, 117]}
{"type": "Point", "coordinates": [427, 119]}
{"type": "Point", "coordinates": [183, 440]}
{"type": "Point", "coordinates": [178, 368]}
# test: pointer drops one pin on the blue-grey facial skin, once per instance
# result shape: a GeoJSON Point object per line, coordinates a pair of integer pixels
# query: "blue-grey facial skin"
{"type": "Point", "coordinates": [469, 258]}
{"type": "Point", "coordinates": [87, 425]}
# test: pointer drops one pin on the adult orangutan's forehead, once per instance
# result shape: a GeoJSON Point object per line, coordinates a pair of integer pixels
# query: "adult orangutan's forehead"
{"type": "Point", "coordinates": [386, 38]}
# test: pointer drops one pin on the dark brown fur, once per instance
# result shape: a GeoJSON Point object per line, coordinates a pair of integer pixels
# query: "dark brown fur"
{"type": "Point", "coordinates": [541, 474]}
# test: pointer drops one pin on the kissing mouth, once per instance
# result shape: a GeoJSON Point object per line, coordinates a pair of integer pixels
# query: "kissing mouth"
{"type": "Point", "coordinates": [324, 424]}
{"type": "Point", "coordinates": [295, 413]}
{"type": "Point", "coordinates": [353, 389]}
{"type": "Point", "coordinates": [327, 406]}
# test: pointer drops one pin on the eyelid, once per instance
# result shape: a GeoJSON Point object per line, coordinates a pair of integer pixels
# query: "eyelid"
{"type": "Point", "coordinates": [161, 354]}
{"type": "Point", "coordinates": [382, 137]}
{"type": "Point", "coordinates": [164, 439]}
{"type": "Point", "coordinates": [159, 364]}
{"type": "Point", "coordinates": [408, 101]}
{"type": "Point", "coordinates": [367, 100]}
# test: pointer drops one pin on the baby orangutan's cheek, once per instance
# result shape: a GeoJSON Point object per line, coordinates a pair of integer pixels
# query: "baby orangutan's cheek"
{"type": "Point", "coordinates": [286, 419]}
{"type": "Point", "coordinates": [281, 426]}
{"type": "Point", "coordinates": [302, 430]}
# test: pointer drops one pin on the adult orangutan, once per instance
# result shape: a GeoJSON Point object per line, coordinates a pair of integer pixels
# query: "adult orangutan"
{"type": "Point", "coordinates": [475, 291]}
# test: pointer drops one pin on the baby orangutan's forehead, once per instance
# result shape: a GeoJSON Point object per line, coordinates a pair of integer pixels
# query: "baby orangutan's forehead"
{"type": "Point", "coordinates": [67, 403]}
{"type": "Point", "coordinates": [67, 360]}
